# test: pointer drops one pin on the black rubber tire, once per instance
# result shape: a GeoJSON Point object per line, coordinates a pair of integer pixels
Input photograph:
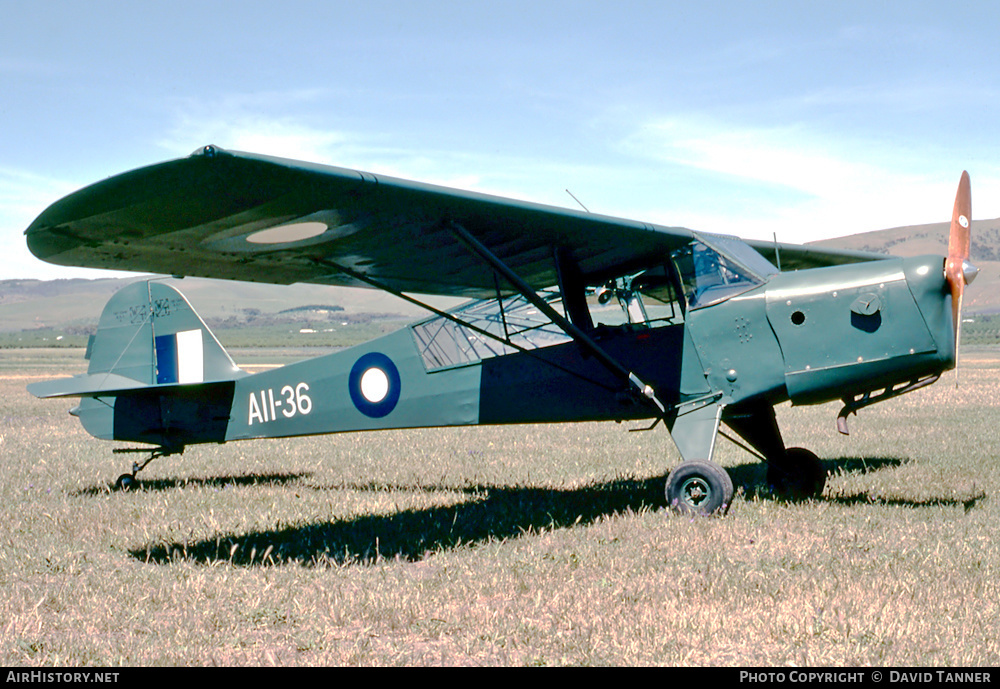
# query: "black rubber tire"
{"type": "Point", "coordinates": [798, 475]}
{"type": "Point", "coordinates": [699, 487]}
{"type": "Point", "coordinates": [126, 482]}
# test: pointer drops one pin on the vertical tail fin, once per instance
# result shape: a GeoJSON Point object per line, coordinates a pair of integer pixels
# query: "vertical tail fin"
{"type": "Point", "coordinates": [156, 375]}
{"type": "Point", "coordinates": [148, 335]}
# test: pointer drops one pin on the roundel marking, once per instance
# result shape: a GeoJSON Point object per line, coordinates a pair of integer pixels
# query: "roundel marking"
{"type": "Point", "coordinates": [374, 385]}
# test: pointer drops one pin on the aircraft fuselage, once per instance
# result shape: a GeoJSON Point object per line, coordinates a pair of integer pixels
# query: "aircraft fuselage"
{"type": "Point", "coordinates": [809, 337]}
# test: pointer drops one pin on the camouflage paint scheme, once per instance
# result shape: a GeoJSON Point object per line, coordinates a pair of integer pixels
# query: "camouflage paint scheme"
{"type": "Point", "coordinates": [740, 338]}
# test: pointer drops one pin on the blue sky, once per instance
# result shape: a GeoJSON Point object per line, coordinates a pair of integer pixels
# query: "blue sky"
{"type": "Point", "coordinates": [804, 119]}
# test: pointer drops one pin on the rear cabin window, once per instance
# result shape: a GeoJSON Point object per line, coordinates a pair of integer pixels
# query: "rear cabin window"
{"type": "Point", "coordinates": [495, 327]}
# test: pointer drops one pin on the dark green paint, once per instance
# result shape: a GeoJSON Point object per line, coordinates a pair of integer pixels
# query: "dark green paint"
{"type": "Point", "coordinates": [745, 339]}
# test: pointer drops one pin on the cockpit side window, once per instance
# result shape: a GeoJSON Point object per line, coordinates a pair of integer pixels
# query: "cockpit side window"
{"type": "Point", "coordinates": [648, 298]}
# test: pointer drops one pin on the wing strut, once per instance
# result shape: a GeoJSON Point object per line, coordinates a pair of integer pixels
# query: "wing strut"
{"type": "Point", "coordinates": [361, 277]}
{"type": "Point", "coordinates": [584, 340]}
{"type": "Point", "coordinates": [507, 341]}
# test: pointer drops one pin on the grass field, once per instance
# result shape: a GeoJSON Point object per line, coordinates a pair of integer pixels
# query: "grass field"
{"type": "Point", "coordinates": [537, 545]}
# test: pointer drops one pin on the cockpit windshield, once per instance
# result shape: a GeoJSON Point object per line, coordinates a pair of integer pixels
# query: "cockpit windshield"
{"type": "Point", "coordinates": [713, 268]}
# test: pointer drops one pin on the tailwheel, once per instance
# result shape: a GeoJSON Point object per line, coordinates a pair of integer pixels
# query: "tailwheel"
{"type": "Point", "coordinates": [797, 475]}
{"type": "Point", "coordinates": [130, 481]}
{"type": "Point", "coordinates": [699, 487]}
{"type": "Point", "coordinates": [126, 482]}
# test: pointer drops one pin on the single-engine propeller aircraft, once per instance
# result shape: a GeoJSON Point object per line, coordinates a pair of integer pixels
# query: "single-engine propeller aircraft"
{"type": "Point", "coordinates": [573, 316]}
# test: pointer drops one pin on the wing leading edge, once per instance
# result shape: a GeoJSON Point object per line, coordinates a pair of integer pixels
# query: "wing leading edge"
{"type": "Point", "coordinates": [240, 216]}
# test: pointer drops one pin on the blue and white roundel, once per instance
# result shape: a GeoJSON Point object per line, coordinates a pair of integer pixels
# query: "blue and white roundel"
{"type": "Point", "coordinates": [374, 385]}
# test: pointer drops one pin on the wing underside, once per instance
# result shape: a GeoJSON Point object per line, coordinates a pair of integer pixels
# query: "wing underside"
{"type": "Point", "coordinates": [239, 216]}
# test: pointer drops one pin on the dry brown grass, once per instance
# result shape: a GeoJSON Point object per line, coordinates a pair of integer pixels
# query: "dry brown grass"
{"type": "Point", "coordinates": [502, 546]}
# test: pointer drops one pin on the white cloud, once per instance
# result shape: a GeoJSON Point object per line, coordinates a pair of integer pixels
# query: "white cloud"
{"type": "Point", "coordinates": [253, 122]}
{"type": "Point", "coordinates": [25, 194]}
{"type": "Point", "coordinates": [780, 156]}
{"type": "Point", "coordinates": [283, 137]}
{"type": "Point", "coordinates": [808, 187]}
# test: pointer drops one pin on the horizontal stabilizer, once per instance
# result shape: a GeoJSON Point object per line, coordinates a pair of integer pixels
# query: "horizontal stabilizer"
{"type": "Point", "coordinates": [84, 386]}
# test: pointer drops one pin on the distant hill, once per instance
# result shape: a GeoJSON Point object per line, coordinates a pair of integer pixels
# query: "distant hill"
{"type": "Point", "coordinates": [65, 312]}
{"type": "Point", "coordinates": [26, 304]}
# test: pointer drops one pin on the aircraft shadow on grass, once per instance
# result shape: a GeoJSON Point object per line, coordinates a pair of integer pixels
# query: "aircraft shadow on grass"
{"type": "Point", "coordinates": [864, 466]}
{"type": "Point", "coordinates": [492, 513]}
{"type": "Point", "coordinates": [218, 482]}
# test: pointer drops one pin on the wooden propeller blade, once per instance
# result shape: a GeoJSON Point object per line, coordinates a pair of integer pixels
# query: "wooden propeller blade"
{"type": "Point", "coordinates": [960, 238]}
{"type": "Point", "coordinates": [959, 243]}
{"type": "Point", "coordinates": [959, 246]}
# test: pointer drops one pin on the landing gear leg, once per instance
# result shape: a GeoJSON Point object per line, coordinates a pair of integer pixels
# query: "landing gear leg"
{"type": "Point", "coordinates": [792, 474]}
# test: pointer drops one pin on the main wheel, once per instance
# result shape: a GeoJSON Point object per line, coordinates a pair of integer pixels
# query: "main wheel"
{"type": "Point", "coordinates": [798, 475]}
{"type": "Point", "coordinates": [699, 487]}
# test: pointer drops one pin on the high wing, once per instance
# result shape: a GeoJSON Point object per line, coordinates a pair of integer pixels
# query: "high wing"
{"type": "Point", "coordinates": [239, 216]}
